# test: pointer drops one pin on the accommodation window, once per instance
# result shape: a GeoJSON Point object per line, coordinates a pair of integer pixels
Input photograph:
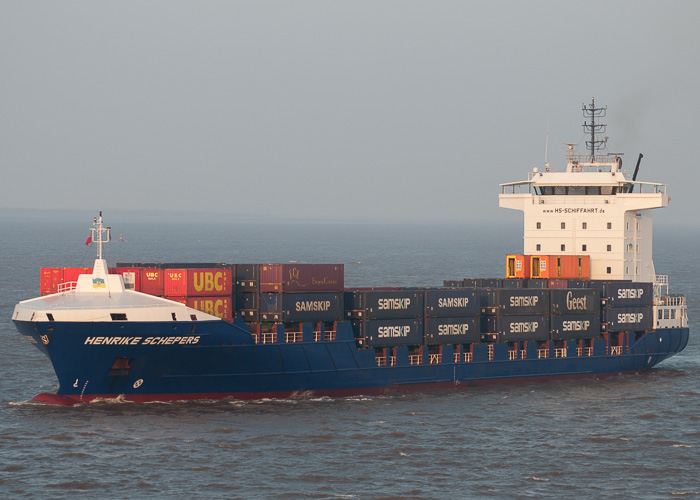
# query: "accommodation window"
{"type": "Point", "coordinates": [610, 270]}
{"type": "Point", "coordinates": [563, 248]}
{"type": "Point", "coordinates": [539, 247]}
{"type": "Point", "coordinates": [539, 225]}
{"type": "Point", "coordinates": [628, 225]}
{"type": "Point", "coordinates": [637, 226]}
{"type": "Point", "coordinates": [563, 225]}
{"type": "Point", "coordinates": [583, 248]}
{"type": "Point", "coordinates": [637, 248]}
{"type": "Point", "coordinates": [609, 248]}
{"type": "Point", "coordinates": [609, 225]}
{"type": "Point", "coordinates": [584, 225]}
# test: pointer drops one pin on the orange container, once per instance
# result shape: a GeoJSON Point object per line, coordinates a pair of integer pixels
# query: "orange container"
{"type": "Point", "coordinates": [51, 277]}
{"type": "Point", "coordinates": [221, 307]}
{"type": "Point", "coordinates": [517, 266]}
{"type": "Point", "coordinates": [560, 266]}
{"type": "Point", "coordinates": [175, 282]}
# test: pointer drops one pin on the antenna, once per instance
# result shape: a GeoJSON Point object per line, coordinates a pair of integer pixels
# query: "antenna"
{"type": "Point", "coordinates": [592, 112]}
{"type": "Point", "coordinates": [546, 146]}
{"type": "Point", "coordinates": [97, 231]}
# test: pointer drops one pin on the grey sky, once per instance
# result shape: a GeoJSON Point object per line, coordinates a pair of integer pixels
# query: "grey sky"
{"type": "Point", "coordinates": [397, 110]}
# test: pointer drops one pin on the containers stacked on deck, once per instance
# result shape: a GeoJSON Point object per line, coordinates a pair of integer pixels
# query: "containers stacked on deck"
{"type": "Point", "coordinates": [548, 266]}
{"type": "Point", "coordinates": [575, 313]}
{"type": "Point", "coordinates": [405, 317]}
{"type": "Point", "coordinates": [627, 306]}
{"type": "Point", "coordinates": [386, 318]}
{"type": "Point", "coordinates": [512, 315]}
{"type": "Point", "coordinates": [291, 293]}
{"type": "Point", "coordinates": [204, 287]}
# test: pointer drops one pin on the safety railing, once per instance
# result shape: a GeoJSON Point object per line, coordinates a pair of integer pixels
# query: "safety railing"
{"type": "Point", "coordinates": [435, 359]}
{"type": "Point", "coordinates": [291, 337]}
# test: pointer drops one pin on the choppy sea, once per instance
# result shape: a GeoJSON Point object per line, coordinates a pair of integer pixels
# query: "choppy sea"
{"type": "Point", "coordinates": [629, 436]}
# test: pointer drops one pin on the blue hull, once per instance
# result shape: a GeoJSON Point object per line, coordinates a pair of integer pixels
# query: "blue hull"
{"type": "Point", "coordinates": [173, 361]}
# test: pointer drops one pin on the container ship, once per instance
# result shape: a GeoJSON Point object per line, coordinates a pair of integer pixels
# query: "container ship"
{"type": "Point", "coordinates": [582, 300]}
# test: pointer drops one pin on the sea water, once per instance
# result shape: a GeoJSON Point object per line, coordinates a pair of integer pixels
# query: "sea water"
{"type": "Point", "coordinates": [630, 436]}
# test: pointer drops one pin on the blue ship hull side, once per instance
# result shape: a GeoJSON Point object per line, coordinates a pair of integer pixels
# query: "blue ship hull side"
{"type": "Point", "coordinates": [166, 361]}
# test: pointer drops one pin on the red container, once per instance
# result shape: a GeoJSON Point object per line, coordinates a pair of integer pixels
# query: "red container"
{"type": "Point", "coordinates": [51, 277]}
{"type": "Point", "coordinates": [292, 278]}
{"type": "Point", "coordinates": [131, 276]}
{"type": "Point", "coordinates": [175, 282]}
{"type": "Point", "coordinates": [152, 281]}
{"type": "Point", "coordinates": [209, 282]}
{"type": "Point", "coordinates": [72, 273]}
{"type": "Point", "coordinates": [221, 307]}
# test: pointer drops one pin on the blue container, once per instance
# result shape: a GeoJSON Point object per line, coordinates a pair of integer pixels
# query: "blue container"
{"type": "Point", "coordinates": [579, 283]}
{"type": "Point", "coordinates": [517, 328]}
{"type": "Point", "coordinates": [473, 282]}
{"type": "Point", "coordinates": [452, 283]}
{"type": "Point", "coordinates": [537, 283]}
{"type": "Point", "coordinates": [574, 301]}
{"type": "Point", "coordinates": [515, 283]}
{"type": "Point", "coordinates": [452, 330]}
{"type": "Point", "coordinates": [627, 319]}
{"type": "Point", "coordinates": [504, 302]}
{"type": "Point", "coordinates": [575, 326]}
{"type": "Point", "coordinates": [312, 307]}
{"type": "Point", "coordinates": [492, 283]}
{"type": "Point", "coordinates": [389, 332]}
{"type": "Point", "coordinates": [451, 303]}
{"type": "Point", "coordinates": [383, 304]}
{"type": "Point", "coordinates": [625, 293]}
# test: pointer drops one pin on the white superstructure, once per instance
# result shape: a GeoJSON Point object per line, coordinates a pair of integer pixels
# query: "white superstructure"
{"type": "Point", "coordinates": [102, 297]}
{"type": "Point", "coordinates": [594, 208]}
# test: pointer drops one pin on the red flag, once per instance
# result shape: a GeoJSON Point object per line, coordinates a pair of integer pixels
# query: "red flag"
{"type": "Point", "coordinates": [89, 239]}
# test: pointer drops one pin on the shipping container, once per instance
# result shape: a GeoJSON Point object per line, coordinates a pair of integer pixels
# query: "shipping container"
{"type": "Point", "coordinates": [626, 293]}
{"type": "Point", "coordinates": [560, 266]}
{"type": "Point", "coordinates": [452, 283]}
{"type": "Point", "coordinates": [558, 283]}
{"type": "Point", "coordinates": [516, 328]}
{"type": "Point", "coordinates": [492, 282]}
{"type": "Point", "coordinates": [506, 302]}
{"type": "Point", "coordinates": [50, 278]}
{"type": "Point", "coordinates": [299, 278]}
{"type": "Point", "coordinates": [250, 315]}
{"type": "Point", "coordinates": [574, 301]}
{"type": "Point", "coordinates": [389, 332]}
{"type": "Point", "coordinates": [175, 282]}
{"type": "Point", "coordinates": [219, 306]}
{"type": "Point", "coordinates": [537, 283]}
{"type": "Point", "coordinates": [579, 283]}
{"type": "Point", "coordinates": [452, 330]}
{"type": "Point", "coordinates": [70, 274]}
{"type": "Point", "coordinates": [473, 282]}
{"type": "Point", "coordinates": [380, 304]}
{"type": "Point", "coordinates": [451, 303]}
{"type": "Point", "coordinates": [515, 283]}
{"type": "Point", "coordinates": [209, 281]}
{"type": "Point", "coordinates": [152, 281]}
{"type": "Point", "coordinates": [130, 275]}
{"type": "Point", "coordinates": [575, 326]}
{"type": "Point", "coordinates": [247, 277]}
{"type": "Point", "coordinates": [319, 306]}
{"type": "Point", "coordinates": [517, 266]}
{"type": "Point", "coordinates": [629, 318]}
{"type": "Point", "coordinates": [248, 301]}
